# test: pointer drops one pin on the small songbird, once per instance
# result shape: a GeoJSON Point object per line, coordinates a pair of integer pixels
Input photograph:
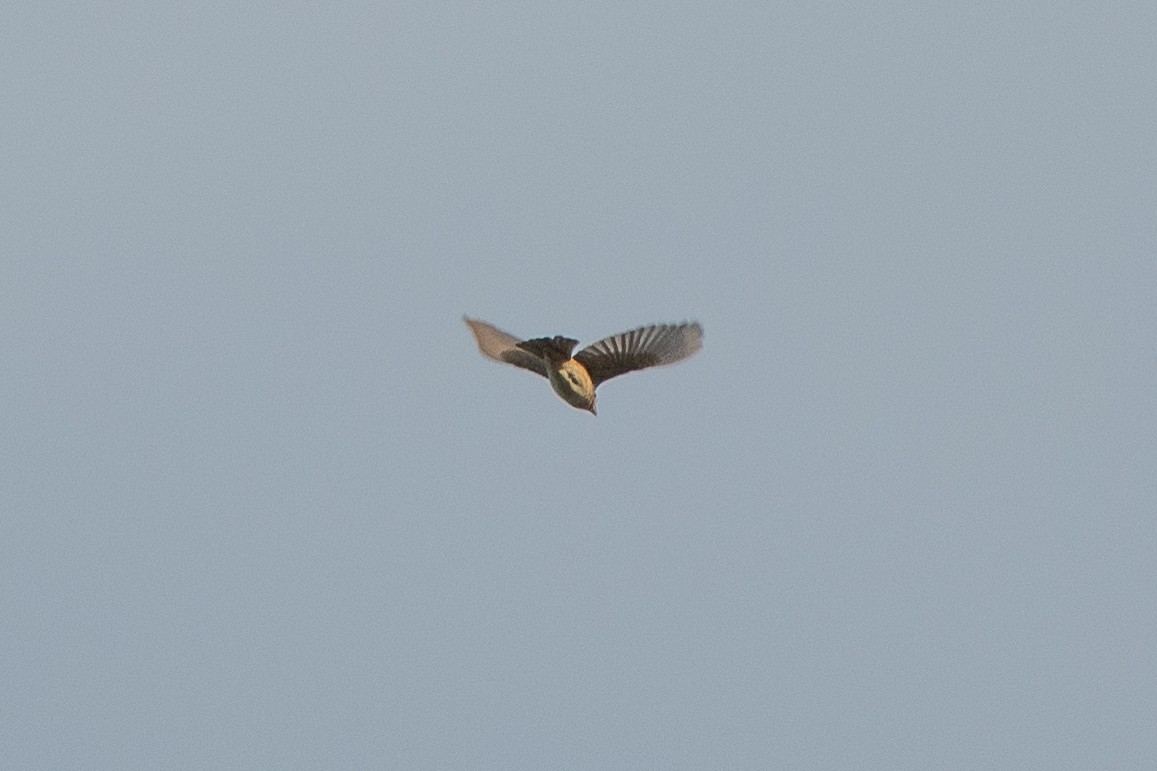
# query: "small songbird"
{"type": "Point", "coordinates": [575, 378]}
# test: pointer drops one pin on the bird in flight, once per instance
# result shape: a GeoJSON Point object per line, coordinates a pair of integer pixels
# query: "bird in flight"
{"type": "Point", "coordinates": [575, 378]}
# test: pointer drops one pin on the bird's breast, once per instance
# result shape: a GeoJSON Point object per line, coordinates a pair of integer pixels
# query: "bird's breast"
{"type": "Point", "coordinates": [572, 382]}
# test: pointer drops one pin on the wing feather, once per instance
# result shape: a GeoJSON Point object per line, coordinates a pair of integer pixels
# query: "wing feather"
{"type": "Point", "coordinates": [640, 348]}
{"type": "Point", "coordinates": [502, 346]}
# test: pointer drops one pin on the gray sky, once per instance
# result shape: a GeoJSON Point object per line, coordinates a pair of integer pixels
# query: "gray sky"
{"type": "Point", "coordinates": [263, 504]}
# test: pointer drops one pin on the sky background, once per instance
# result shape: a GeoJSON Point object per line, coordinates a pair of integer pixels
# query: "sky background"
{"type": "Point", "coordinates": [264, 505]}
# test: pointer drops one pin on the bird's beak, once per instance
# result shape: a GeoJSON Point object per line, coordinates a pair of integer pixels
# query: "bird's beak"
{"type": "Point", "coordinates": [592, 409]}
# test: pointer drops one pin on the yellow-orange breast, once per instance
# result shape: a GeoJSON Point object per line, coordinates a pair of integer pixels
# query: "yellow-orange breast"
{"type": "Point", "coordinates": [572, 382]}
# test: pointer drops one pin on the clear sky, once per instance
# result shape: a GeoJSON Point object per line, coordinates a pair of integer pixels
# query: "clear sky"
{"type": "Point", "coordinates": [263, 504]}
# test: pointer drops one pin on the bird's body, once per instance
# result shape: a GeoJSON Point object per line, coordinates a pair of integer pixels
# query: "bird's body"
{"type": "Point", "coordinates": [573, 383]}
{"type": "Point", "coordinates": [574, 378]}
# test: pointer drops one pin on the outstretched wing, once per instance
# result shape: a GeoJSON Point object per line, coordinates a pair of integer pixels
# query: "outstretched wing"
{"type": "Point", "coordinates": [500, 346]}
{"type": "Point", "coordinates": [640, 348]}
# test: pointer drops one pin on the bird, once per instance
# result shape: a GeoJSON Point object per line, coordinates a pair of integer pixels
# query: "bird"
{"type": "Point", "coordinates": [575, 378]}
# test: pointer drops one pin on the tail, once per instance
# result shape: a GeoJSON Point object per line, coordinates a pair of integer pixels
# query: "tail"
{"type": "Point", "coordinates": [551, 348]}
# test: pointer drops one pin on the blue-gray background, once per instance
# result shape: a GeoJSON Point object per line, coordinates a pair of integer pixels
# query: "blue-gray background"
{"type": "Point", "coordinates": [264, 504]}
